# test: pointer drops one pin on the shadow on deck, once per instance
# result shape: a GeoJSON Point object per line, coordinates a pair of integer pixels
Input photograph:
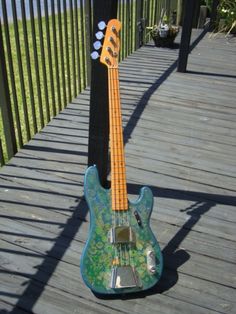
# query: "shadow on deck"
{"type": "Point", "coordinates": [180, 141]}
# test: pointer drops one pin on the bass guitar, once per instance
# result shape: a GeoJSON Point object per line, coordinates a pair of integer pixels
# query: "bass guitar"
{"type": "Point", "coordinates": [121, 254]}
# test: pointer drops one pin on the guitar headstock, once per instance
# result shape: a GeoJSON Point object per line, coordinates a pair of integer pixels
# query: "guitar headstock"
{"type": "Point", "coordinates": [111, 44]}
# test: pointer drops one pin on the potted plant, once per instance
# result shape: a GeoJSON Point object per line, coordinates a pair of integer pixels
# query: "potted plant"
{"type": "Point", "coordinates": [164, 33]}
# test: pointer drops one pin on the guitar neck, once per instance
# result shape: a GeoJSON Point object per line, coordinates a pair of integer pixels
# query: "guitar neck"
{"type": "Point", "coordinates": [118, 171]}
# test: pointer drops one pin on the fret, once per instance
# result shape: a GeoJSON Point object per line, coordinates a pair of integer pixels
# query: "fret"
{"type": "Point", "coordinates": [122, 165]}
{"type": "Point", "coordinates": [117, 117]}
{"type": "Point", "coordinates": [119, 191]}
{"type": "Point", "coordinates": [118, 171]}
{"type": "Point", "coordinates": [116, 145]}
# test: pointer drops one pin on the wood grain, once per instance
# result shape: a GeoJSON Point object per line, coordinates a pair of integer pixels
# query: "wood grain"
{"type": "Point", "coordinates": [179, 132]}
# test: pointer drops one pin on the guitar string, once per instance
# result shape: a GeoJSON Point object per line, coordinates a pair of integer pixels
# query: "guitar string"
{"type": "Point", "coordinates": [120, 199]}
{"type": "Point", "coordinates": [113, 152]}
{"type": "Point", "coordinates": [117, 150]}
{"type": "Point", "coordinates": [113, 174]}
{"type": "Point", "coordinates": [123, 213]}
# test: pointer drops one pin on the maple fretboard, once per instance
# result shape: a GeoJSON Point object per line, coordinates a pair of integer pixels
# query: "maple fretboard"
{"type": "Point", "coordinates": [118, 170]}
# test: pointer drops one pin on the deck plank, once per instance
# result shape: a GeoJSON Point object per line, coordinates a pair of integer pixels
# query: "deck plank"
{"type": "Point", "coordinates": [180, 140]}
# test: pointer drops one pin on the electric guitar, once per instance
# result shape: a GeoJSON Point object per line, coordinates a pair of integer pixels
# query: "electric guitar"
{"type": "Point", "coordinates": [121, 254]}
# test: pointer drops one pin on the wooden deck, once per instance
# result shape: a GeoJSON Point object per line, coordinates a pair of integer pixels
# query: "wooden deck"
{"type": "Point", "coordinates": [180, 140]}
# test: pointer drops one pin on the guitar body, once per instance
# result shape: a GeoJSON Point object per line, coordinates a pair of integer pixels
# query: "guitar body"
{"type": "Point", "coordinates": [118, 264]}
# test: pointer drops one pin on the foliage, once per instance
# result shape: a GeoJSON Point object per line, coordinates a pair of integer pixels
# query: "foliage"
{"type": "Point", "coordinates": [226, 15]}
{"type": "Point", "coordinates": [227, 12]}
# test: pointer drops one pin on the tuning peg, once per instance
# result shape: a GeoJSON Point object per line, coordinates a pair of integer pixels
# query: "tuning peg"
{"type": "Point", "coordinates": [95, 55]}
{"type": "Point", "coordinates": [101, 25]}
{"type": "Point", "coordinates": [99, 35]}
{"type": "Point", "coordinates": [97, 45]}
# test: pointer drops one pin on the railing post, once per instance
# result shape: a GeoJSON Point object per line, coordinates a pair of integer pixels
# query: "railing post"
{"type": "Point", "coordinates": [202, 16]}
{"type": "Point", "coordinates": [186, 35]}
{"type": "Point", "coordinates": [196, 13]}
{"type": "Point", "coordinates": [103, 10]}
{"type": "Point", "coordinates": [5, 103]}
{"type": "Point", "coordinates": [213, 19]}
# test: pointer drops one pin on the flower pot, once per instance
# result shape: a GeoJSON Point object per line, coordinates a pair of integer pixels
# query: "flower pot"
{"type": "Point", "coordinates": [163, 41]}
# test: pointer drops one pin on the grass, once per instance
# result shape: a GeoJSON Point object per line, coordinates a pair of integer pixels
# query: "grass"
{"type": "Point", "coordinates": [37, 105]}
{"type": "Point", "coordinates": [30, 104]}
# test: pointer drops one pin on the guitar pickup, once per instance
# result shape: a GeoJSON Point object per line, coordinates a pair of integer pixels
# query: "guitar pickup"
{"type": "Point", "coordinates": [122, 235]}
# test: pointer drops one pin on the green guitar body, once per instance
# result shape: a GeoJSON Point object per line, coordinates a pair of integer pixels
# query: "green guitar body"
{"type": "Point", "coordinates": [114, 268]}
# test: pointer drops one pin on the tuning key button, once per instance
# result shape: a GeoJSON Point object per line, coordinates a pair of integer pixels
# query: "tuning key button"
{"type": "Point", "coordinates": [94, 55]}
{"type": "Point", "coordinates": [99, 35]}
{"type": "Point", "coordinates": [97, 45]}
{"type": "Point", "coordinates": [101, 25]}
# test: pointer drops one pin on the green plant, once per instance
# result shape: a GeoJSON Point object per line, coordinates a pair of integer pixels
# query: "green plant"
{"type": "Point", "coordinates": [226, 20]}
{"type": "Point", "coordinates": [227, 13]}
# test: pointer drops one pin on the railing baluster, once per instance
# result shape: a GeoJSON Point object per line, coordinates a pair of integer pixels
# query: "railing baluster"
{"type": "Point", "coordinates": [132, 26]}
{"type": "Point", "coordinates": [77, 45]}
{"type": "Point", "coordinates": [123, 29]}
{"type": "Point", "coordinates": [12, 76]}
{"type": "Point", "coordinates": [72, 47]}
{"type": "Point", "coordinates": [155, 12]}
{"type": "Point", "coordinates": [67, 50]}
{"type": "Point", "coordinates": [119, 17]}
{"type": "Point", "coordinates": [2, 159]}
{"type": "Point", "coordinates": [49, 54]}
{"type": "Point", "coordinates": [42, 54]}
{"type": "Point", "coordinates": [54, 33]}
{"type": "Point", "coordinates": [62, 52]}
{"type": "Point", "coordinates": [87, 22]}
{"type": "Point", "coordinates": [138, 23]}
{"type": "Point", "coordinates": [83, 42]}
{"type": "Point", "coordinates": [29, 68]}
{"type": "Point", "coordinates": [127, 27]}
{"type": "Point", "coordinates": [36, 64]}
{"type": "Point", "coordinates": [6, 104]}
{"type": "Point", "coordinates": [20, 70]}
{"type": "Point", "coordinates": [152, 12]}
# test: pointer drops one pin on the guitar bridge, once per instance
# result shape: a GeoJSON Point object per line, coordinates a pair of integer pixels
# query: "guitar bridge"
{"type": "Point", "coordinates": [122, 235]}
{"type": "Point", "coordinates": [124, 277]}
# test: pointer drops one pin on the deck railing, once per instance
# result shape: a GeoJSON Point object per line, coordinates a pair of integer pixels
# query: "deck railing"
{"type": "Point", "coordinates": [45, 58]}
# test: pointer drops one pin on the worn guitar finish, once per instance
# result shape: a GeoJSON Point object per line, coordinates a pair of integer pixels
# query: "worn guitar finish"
{"type": "Point", "coordinates": [121, 254]}
{"type": "Point", "coordinates": [99, 255]}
